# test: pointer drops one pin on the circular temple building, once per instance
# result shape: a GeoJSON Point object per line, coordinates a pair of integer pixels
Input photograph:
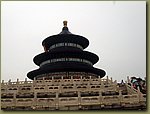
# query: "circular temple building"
{"type": "Point", "coordinates": [67, 80]}
{"type": "Point", "coordinates": [65, 56]}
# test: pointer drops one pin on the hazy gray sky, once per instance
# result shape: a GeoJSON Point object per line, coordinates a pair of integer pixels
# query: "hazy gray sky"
{"type": "Point", "coordinates": [116, 31]}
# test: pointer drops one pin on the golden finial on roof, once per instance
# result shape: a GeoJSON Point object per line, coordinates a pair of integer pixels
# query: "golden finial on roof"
{"type": "Point", "coordinates": [65, 23]}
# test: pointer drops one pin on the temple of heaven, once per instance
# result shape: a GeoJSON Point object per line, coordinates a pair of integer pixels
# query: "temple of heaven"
{"type": "Point", "coordinates": [64, 54]}
{"type": "Point", "coordinates": [67, 80]}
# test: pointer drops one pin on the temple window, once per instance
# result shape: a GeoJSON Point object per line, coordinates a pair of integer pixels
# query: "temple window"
{"type": "Point", "coordinates": [66, 44]}
{"type": "Point", "coordinates": [66, 59]}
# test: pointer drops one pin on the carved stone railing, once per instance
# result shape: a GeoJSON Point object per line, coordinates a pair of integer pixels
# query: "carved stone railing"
{"type": "Point", "coordinates": [60, 86]}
